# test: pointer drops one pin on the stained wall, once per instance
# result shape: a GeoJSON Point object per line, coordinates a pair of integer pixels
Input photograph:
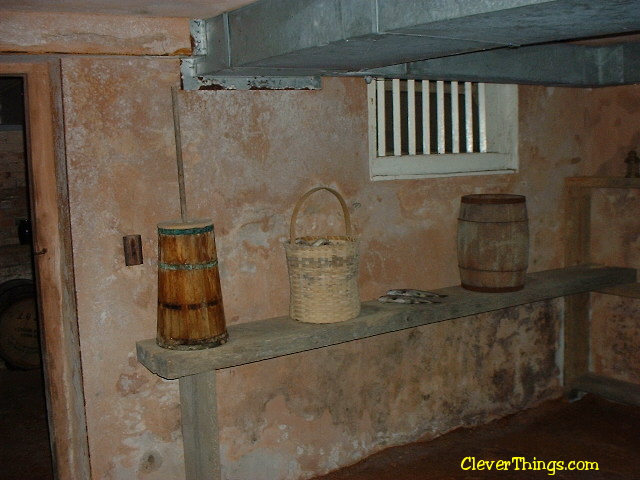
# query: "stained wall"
{"type": "Point", "coordinates": [615, 233]}
{"type": "Point", "coordinates": [248, 157]}
{"type": "Point", "coordinates": [615, 240]}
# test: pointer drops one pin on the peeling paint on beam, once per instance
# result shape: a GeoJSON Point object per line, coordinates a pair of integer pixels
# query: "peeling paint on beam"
{"type": "Point", "coordinates": [252, 83]}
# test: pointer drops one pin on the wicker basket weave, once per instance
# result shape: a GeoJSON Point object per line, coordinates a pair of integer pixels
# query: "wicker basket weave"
{"type": "Point", "coordinates": [323, 279]}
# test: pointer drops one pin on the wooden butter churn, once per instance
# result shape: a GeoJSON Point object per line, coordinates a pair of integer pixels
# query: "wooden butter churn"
{"type": "Point", "coordinates": [190, 309]}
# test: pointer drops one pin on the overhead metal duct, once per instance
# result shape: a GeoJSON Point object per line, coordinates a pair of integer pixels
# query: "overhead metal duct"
{"type": "Point", "coordinates": [291, 43]}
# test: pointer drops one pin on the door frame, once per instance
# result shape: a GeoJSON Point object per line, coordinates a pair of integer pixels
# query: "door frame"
{"type": "Point", "coordinates": [53, 262]}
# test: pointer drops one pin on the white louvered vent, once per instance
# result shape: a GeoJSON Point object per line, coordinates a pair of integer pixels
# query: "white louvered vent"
{"type": "Point", "coordinates": [423, 128]}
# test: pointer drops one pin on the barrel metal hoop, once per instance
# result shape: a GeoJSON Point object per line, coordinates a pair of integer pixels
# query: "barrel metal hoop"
{"type": "Point", "coordinates": [510, 222]}
{"type": "Point", "coordinates": [186, 344]}
{"type": "Point", "coordinates": [493, 271]}
{"type": "Point", "coordinates": [497, 199]}
{"type": "Point", "coordinates": [185, 231]}
{"type": "Point", "coordinates": [188, 306]}
{"type": "Point", "coordinates": [196, 266]}
{"type": "Point", "coordinates": [476, 288]}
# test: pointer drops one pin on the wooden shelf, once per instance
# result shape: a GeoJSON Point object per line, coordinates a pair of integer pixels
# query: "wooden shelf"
{"type": "Point", "coordinates": [275, 337]}
{"type": "Point", "coordinates": [627, 290]}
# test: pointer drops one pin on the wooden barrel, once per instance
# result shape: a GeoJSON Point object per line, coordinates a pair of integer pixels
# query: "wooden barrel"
{"type": "Point", "coordinates": [190, 310]}
{"type": "Point", "coordinates": [19, 337]}
{"type": "Point", "coordinates": [493, 242]}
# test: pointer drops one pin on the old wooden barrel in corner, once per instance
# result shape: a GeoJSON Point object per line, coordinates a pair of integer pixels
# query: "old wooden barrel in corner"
{"type": "Point", "coordinates": [493, 242]}
{"type": "Point", "coordinates": [190, 309]}
{"type": "Point", "coordinates": [19, 332]}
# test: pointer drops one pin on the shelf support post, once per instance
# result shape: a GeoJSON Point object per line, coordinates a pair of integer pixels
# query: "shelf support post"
{"type": "Point", "coordinates": [200, 426]}
{"type": "Point", "coordinates": [576, 307]}
{"type": "Point", "coordinates": [576, 339]}
{"type": "Point", "coordinates": [578, 225]}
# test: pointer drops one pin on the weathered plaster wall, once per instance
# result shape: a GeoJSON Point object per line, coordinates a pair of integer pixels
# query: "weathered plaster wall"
{"type": "Point", "coordinates": [612, 129]}
{"type": "Point", "coordinates": [248, 157]}
{"type": "Point", "coordinates": [615, 240]}
{"type": "Point", "coordinates": [615, 337]}
{"type": "Point", "coordinates": [121, 181]}
{"type": "Point", "coordinates": [321, 410]}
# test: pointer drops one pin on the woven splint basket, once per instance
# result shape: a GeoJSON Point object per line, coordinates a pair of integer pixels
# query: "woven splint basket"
{"type": "Point", "coordinates": [323, 279]}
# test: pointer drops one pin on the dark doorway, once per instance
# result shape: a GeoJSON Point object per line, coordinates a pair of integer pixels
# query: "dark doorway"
{"type": "Point", "coordinates": [25, 451]}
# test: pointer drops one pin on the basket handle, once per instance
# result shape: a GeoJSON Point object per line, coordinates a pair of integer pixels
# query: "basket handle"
{"type": "Point", "coordinates": [294, 216]}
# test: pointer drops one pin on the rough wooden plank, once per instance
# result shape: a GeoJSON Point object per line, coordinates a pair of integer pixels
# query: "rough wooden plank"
{"type": "Point", "coordinates": [264, 339]}
{"type": "Point", "coordinates": [101, 34]}
{"type": "Point", "coordinates": [200, 426]}
{"type": "Point", "coordinates": [631, 290]}
{"type": "Point", "coordinates": [610, 388]}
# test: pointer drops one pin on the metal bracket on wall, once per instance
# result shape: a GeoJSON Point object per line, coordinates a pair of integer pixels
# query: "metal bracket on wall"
{"type": "Point", "coordinates": [212, 34]}
{"type": "Point", "coordinates": [190, 81]}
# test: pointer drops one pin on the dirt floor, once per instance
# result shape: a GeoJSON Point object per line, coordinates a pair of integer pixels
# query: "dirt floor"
{"type": "Point", "coordinates": [24, 451]}
{"type": "Point", "coordinates": [589, 430]}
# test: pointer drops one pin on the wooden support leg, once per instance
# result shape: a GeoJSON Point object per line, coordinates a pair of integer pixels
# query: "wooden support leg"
{"type": "Point", "coordinates": [200, 426]}
{"type": "Point", "coordinates": [576, 324]}
{"type": "Point", "coordinates": [576, 339]}
{"type": "Point", "coordinates": [577, 243]}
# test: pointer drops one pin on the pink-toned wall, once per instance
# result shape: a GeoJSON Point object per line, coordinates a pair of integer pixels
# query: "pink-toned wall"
{"type": "Point", "coordinates": [248, 157]}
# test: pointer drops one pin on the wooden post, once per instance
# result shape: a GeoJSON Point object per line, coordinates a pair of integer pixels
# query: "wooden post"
{"type": "Point", "coordinates": [578, 225]}
{"type": "Point", "coordinates": [576, 338]}
{"type": "Point", "coordinates": [200, 426]}
{"type": "Point", "coordinates": [577, 324]}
